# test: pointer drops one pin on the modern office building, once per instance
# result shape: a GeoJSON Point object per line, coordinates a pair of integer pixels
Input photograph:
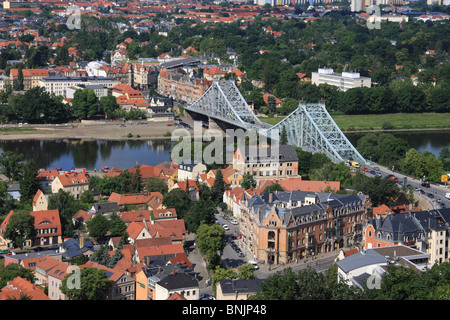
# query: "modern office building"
{"type": "Point", "coordinates": [344, 80]}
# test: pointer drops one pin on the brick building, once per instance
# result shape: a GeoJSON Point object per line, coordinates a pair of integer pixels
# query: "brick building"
{"type": "Point", "coordinates": [287, 226]}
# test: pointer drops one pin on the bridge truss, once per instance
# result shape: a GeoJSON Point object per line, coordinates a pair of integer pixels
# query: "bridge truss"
{"type": "Point", "coordinates": [309, 127]}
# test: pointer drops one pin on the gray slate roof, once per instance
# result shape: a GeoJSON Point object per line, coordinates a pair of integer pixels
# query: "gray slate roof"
{"type": "Point", "coordinates": [231, 286]}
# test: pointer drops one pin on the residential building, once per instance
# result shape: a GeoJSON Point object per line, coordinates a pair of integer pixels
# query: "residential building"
{"type": "Point", "coordinates": [266, 162]}
{"type": "Point", "coordinates": [426, 231]}
{"type": "Point", "coordinates": [72, 248]}
{"type": "Point", "coordinates": [283, 227]}
{"type": "Point", "coordinates": [20, 287]}
{"type": "Point", "coordinates": [55, 273]}
{"type": "Point", "coordinates": [139, 200]}
{"type": "Point", "coordinates": [148, 278]}
{"type": "Point", "coordinates": [344, 81]}
{"type": "Point", "coordinates": [47, 224]}
{"type": "Point", "coordinates": [177, 84]}
{"type": "Point", "coordinates": [31, 77]}
{"type": "Point", "coordinates": [123, 285]}
{"type": "Point", "coordinates": [293, 184]}
{"type": "Point", "coordinates": [237, 289]}
{"type": "Point", "coordinates": [190, 170]}
{"type": "Point", "coordinates": [366, 268]}
{"type": "Point", "coordinates": [40, 201]}
{"type": "Point", "coordinates": [145, 76]}
{"type": "Point", "coordinates": [73, 182]}
{"type": "Point", "coordinates": [182, 283]}
{"type": "Point", "coordinates": [190, 186]}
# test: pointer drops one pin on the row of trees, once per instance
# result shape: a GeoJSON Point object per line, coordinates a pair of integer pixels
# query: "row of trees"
{"type": "Point", "coordinates": [388, 150]}
{"type": "Point", "coordinates": [38, 106]}
{"type": "Point", "coordinates": [398, 283]}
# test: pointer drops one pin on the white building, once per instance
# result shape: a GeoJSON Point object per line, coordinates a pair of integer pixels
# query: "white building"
{"type": "Point", "coordinates": [59, 84]}
{"type": "Point", "coordinates": [344, 80]}
{"type": "Point", "coordinates": [366, 268]}
{"type": "Point", "coordinates": [100, 90]}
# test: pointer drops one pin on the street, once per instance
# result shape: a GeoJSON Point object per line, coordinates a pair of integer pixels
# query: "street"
{"type": "Point", "coordinates": [437, 191]}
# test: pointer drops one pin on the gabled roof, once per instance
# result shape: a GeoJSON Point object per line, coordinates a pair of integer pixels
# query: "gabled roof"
{"type": "Point", "coordinates": [20, 286]}
{"type": "Point", "coordinates": [47, 219]}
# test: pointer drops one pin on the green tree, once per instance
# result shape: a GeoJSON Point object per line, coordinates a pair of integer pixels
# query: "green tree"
{"type": "Point", "coordinates": [67, 206]}
{"type": "Point", "coordinates": [11, 165]}
{"type": "Point", "coordinates": [283, 136]}
{"type": "Point", "coordinates": [247, 181]}
{"type": "Point", "coordinates": [109, 105]}
{"type": "Point", "coordinates": [201, 211]}
{"type": "Point", "coordinates": [98, 226]}
{"type": "Point", "coordinates": [218, 187]}
{"type": "Point", "coordinates": [20, 228]}
{"type": "Point", "coordinates": [210, 242]}
{"type": "Point", "coordinates": [12, 271]}
{"type": "Point", "coordinates": [85, 103]}
{"type": "Point", "coordinates": [247, 271]}
{"type": "Point", "coordinates": [94, 285]}
{"type": "Point", "coordinates": [117, 226]}
{"type": "Point", "coordinates": [179, 200]}
{"type": "Point", "coordinates": [29, 183]}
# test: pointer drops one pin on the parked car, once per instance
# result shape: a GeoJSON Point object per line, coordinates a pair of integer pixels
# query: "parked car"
{"type": "Point", "coordinates": [255, 264]}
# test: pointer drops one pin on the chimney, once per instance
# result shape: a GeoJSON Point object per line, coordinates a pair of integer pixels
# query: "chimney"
{"type": "Point", "coordinates": [81, 241]}
{"type": "Point", "coordinates": [270, 197]}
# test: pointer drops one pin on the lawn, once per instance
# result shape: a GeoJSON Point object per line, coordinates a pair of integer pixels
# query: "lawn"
{"type": "Point", "coordinates": [375, 121]}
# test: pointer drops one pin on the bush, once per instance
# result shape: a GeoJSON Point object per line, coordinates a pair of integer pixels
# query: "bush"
{"type": "Point", "coordinates": [387, 125]}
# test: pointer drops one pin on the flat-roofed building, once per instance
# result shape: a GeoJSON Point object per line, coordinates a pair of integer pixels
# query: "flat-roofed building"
{"type": "Point", "coordinates": [344, 81]}
{"type": "Point", "coordinates": [59, 84]}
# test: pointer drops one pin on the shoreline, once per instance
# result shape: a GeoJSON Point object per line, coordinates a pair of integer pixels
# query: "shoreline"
{"type": "Point", "coordinates": [114, 132]}
{"type": "Point", "coordinates": [139, 131]}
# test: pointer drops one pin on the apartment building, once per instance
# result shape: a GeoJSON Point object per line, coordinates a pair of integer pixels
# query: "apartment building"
{"type": "Point", "coordinates": [266, 162]}
{"type": "Point", "coordinates": [284, 227]}
{"type": "Point", "coordinates": [426, 231]}
{"type": "Point", "coordinates": [58, 84]}
{"type": "Point", "coordinates": [31, 77]}
{"type": "Point", "coordinates": [344, 81]}
{"type": "Point", "coordinates": [177, 84]}
{"type": "Point", "coordinates": [145, 76]}
{"type": "Point", "coordinates": [74, 183]}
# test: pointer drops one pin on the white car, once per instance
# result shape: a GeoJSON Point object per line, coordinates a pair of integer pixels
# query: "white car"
{"type": "Point", "coordinates": [234, 221]}
{"type": "Point", "coordinates": [225, 227]}
{"type": "Point", "coordinates": [255, 264]}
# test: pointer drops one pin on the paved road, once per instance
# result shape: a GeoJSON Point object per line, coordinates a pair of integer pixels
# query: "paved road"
{"type": "Point", "coordinates": [438, 191]}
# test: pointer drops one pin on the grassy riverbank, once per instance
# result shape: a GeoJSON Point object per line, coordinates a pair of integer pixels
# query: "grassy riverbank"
{"type": "Point", "coordinates": [374, 122]}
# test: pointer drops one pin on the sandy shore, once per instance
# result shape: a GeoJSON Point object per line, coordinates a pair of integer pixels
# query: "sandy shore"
{"type": "Point", "coordinates": [143, 130]}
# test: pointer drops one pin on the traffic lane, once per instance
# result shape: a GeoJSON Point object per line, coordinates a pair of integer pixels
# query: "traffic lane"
{"type": "Point", "coordinates": [438, 192]}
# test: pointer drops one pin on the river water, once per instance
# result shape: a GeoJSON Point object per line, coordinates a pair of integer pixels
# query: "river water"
{"type": "Point", "coordinates": [94, 154]}
{"type": "Point", "coordinates": [90, 154]}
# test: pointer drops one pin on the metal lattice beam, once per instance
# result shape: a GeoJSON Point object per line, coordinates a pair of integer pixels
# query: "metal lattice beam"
{"type": "Point", "coordinates": [224, 102]}
{"type": "Point", "coordinates": [309, 127]}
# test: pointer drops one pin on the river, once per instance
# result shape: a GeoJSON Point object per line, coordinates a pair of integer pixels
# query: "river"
{"type": "Point", "coordinates": [94, 154]}
{"type": "Point", "coordinates": [432, 141]}
{"type": "Point", "coordinates": [90, 154]}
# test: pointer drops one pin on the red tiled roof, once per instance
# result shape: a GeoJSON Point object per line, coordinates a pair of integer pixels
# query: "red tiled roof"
{"type": "Point", "coordinates": [20, 286]}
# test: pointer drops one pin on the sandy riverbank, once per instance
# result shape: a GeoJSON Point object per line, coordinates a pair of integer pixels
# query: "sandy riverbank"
{"type": "Point", "coordinates": [111, 131]}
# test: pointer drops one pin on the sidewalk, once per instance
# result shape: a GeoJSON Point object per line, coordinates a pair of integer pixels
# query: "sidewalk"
{"type": "Point", "coordinates": [197, 260]}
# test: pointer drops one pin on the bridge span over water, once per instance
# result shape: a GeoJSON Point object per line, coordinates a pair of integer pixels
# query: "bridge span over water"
{"type": "Point", "coordinates": [309, 127]}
